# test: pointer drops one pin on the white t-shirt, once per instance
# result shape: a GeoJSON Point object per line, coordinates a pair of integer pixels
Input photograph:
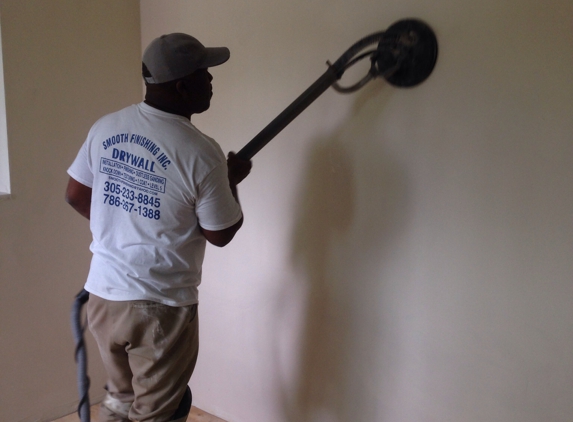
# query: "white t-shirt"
{"type": "Point", "coordinates": [155, 178]}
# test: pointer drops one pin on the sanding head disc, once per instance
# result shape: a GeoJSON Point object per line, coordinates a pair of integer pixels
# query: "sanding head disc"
{"type": "Point", "coordinates": [419, 43]}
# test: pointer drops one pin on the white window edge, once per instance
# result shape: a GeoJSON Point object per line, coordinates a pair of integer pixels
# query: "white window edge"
{"type": "Point", "coordinates": [4, 158]}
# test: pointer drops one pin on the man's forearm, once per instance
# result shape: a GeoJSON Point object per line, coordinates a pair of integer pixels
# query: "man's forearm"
{"type": "Point", "coordinates": [79, 197]}
{"type": "Point", "coordinates": [234, 191]}
{"type": "Point", "coordinates": [82, 209]}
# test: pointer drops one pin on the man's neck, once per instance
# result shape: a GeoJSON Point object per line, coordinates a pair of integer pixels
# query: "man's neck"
{"type": "Point", "coordinates": [167, 109]}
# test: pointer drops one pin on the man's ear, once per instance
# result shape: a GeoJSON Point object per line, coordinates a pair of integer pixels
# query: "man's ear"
{"type": "Point", "coordinates": [181, 88]}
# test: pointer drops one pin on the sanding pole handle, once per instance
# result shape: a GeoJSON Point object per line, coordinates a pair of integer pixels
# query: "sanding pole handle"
{"type": "Point", "coordinates": [289, 113]}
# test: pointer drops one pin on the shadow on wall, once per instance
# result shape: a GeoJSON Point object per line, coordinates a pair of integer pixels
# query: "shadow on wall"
{"type": "Point", "coordinates": [353, 203]}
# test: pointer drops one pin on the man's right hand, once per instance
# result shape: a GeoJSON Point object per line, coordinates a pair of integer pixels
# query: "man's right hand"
{"type": "Point", "coordinates": [238, 168]}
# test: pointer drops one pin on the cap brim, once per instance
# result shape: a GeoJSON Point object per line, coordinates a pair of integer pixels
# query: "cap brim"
{"type": "Point", "coordinates": [216, 56]}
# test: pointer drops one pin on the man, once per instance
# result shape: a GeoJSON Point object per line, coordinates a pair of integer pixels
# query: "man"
{"type": "Point", "coordinates": [155, 190]}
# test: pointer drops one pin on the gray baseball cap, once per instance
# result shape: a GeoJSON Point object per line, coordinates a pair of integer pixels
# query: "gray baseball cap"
{"type": "Point", "coordinates": [174, 56]}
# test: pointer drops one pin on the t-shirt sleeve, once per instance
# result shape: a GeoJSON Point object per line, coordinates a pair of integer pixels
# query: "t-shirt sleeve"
{"type": "Point", "coordinates": [81, 168]}
{"type": "Point", "coordinates": [216, 207]}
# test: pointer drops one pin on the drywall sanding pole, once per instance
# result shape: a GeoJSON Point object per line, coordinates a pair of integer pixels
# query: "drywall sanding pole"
{"type": "Point", "coordinates": [289, 114]}
{"type": "Point", "coordinates": [332, 74]}
{"type": "Point", "coordinates": [405, 56]}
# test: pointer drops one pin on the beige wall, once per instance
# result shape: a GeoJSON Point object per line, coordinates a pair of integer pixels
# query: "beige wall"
{"type": "Point", "coordinates": [66, 63]}
{"type": "Point", "coordinates": [406, 254]}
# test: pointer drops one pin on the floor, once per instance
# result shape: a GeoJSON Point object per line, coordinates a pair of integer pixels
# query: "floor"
{"type": "Point", "coordinates": [196, 415]}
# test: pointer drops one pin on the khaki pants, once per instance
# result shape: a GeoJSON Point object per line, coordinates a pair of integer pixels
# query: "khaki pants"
{"type": "Point", "coordinates": [149, 351]}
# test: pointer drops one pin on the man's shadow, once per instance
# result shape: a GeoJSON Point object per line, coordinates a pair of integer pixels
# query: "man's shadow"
{"type": "Point", "coordinates": [353, 203]}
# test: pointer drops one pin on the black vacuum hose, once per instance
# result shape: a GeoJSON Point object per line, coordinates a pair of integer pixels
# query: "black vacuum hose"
{"type": "Point", "coordinates": [81, 356]}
